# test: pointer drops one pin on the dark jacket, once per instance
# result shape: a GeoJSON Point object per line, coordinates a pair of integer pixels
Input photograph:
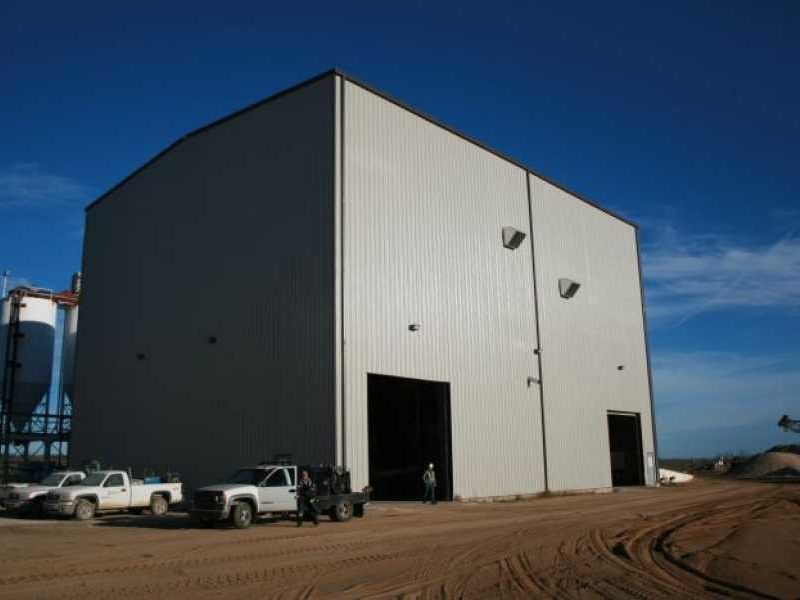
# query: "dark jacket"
{"type": "Point", "coordinates": [306, 489]}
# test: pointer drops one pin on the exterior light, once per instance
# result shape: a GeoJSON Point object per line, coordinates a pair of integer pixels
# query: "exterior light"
{"type": "Point", "coordinates": [413, 327]}
{"type": "Point", "coordinates": [567, 288]}
{"type": "Point", "coordinates": [512, 237]}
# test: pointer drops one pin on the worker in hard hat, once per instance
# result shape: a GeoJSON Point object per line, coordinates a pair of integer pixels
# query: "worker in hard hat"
{"type": "Point", "coordinates": [429, 479]}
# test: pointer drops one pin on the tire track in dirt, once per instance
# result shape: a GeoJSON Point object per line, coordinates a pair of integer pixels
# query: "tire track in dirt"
{"type": "Point", "coordinates": [178, 563]}
{"type": "Point", "coordinates": [240, 578]}
{"type": "Point", "coordinates": [634, 545]}
{"type": "Point", "coordinates": [579, 556]}
{"type": "Point", "coordinates": [647, 557]}
{"type": "Point", "coordinates": [661, 554]}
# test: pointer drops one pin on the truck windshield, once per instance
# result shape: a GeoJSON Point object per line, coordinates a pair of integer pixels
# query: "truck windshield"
{"type": "Point", "coordinates": [247, 476]}
{"type": "Point", "coordinates": [53, 480]}
{"type": "Point", "coordinates": [95, 479]}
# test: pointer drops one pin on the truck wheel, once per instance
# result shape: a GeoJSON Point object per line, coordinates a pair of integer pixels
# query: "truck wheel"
{"type": "Point", "coordinates": [342, 511]}
{"type": "Point", "coordinates": [84, 510]}
{"type": "Point", "coordinates": [159, 506]}
{"type": "Point", "coordinates": [242, 515]}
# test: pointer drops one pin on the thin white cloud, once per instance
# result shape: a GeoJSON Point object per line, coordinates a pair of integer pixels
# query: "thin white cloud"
{"type": "Point", "coordinates": [688, 275]}
{"type": "Point", "coordinates": [28, 186]}
{"type": "Point", "coordinates": [697, 391]}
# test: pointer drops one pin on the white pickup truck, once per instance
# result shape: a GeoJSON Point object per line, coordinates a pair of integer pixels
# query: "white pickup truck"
{"type": "Point", "coordinates": [110, 491]}
{"type": "Point", "coordinates": [265, 489]}
{"type": "Point", "coordinates": [30, 498]}
{"type": "Point", "coordinates": [9, 488]}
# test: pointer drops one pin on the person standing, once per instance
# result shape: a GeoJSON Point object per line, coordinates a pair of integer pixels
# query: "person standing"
{"type": "Point", "coordinates": [429, 479]}
{"type": "Point", "coordinates": [306, 499]}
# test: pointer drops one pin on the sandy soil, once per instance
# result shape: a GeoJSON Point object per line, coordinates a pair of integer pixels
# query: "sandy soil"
{"type": "Point", "coordinates": [707, 539]}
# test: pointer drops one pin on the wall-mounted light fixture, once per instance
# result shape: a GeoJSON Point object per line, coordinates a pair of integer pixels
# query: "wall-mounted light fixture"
{"type": "Point", "coordinates": [567, 288]}
{"type": "Point", "coordinates": [512, 237]}
{"type": "Point", "coordinates": [413, 327]}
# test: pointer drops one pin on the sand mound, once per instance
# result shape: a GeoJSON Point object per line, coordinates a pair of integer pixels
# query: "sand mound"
{"type": "Point", "coordinates": [790, 448]}
{"type": "Point", "coordinates": [769, 464]}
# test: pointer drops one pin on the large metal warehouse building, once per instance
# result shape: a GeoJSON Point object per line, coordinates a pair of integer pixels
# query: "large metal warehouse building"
{"type": "Point", "coordinates": [333, 275]}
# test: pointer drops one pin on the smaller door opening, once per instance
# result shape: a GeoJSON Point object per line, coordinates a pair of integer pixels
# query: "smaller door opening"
{"type": "Point", "coordinates": [625, 442]}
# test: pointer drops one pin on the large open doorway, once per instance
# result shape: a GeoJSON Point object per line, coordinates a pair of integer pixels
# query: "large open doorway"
{"type": "Point", "coordinates": [409, 427]}
{"type": "Point", "coordinates": [625, 441]}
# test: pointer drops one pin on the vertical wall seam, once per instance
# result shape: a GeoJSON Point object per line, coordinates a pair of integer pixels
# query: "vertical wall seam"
{"type": "Point", "coordinates": [343, 88]}
{"type": "Point", "coordinates": [538, 332]}
{"type": "Point", "coordinates": [647, 356]}
{"type": "Point", "coordinates": [337, 237]}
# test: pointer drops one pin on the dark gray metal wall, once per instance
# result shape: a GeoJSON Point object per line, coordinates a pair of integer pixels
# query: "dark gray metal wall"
{"type": "Point", "coordinates": [227, 235]}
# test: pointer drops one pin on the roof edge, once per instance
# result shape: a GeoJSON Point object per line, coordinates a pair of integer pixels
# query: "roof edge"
{"type": "Point", "coordinates": [334, 72]}
{"type": "Point", "coordinates": [183, 138]}
{"type": "Point", "coordinates": [483, 146]}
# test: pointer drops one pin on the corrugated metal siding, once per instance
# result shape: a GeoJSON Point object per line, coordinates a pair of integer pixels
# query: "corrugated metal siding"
{"type": "Point", "coordinates": [585, 338]}
{"type": "Point", "coordinates": [229, 235]}
{"type": "Point", "coordinates": [423, 213]}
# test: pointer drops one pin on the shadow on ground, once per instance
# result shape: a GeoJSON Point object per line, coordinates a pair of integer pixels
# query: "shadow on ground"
{"type": "Point", "coordinates": [178, 521]}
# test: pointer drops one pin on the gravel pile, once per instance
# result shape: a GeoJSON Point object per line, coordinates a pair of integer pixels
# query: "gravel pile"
{"type": "Point", "coordinates": [771, 465]}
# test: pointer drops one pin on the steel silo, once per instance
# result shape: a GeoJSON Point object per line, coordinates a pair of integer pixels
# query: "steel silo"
{"type": "Point", "coordinates": [28, 339]}
{"type": "Point", "coordinates": [68, 350]}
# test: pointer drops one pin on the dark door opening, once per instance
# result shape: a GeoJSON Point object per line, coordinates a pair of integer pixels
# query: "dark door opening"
{"type": "Point", "coordinates": [409, 427]}
{"type": "Point", "coordinates": [625, 441]}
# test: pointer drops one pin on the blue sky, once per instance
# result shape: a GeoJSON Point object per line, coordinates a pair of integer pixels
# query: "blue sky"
{"type": "Point", "coordinates": [682, 115]}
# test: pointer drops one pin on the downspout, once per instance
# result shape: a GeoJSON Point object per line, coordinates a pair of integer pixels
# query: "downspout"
{"type": "Point", "coordinates": [538, 350]}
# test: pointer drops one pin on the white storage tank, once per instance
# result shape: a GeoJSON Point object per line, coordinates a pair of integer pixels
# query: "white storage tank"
{"type": "Point", "coordinates": [34, 353]}
{"type": "Point", "coordinates": [68, 350]}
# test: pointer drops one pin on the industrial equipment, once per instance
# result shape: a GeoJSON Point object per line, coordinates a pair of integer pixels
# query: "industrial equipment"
{"type": "Point", "coordinates": [789, 424]}
{"type": "Point", "coordinates": [31, 421]}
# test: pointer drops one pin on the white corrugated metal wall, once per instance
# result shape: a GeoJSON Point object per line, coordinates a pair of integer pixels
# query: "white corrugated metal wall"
{"type": "Point", "coordinates": [423, 215]}
{"type": "Point", "coordinates": [585, 338]}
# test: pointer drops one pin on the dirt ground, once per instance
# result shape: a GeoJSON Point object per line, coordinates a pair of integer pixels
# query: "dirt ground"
{"type": "Point", "coordinates": [707, 539]}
